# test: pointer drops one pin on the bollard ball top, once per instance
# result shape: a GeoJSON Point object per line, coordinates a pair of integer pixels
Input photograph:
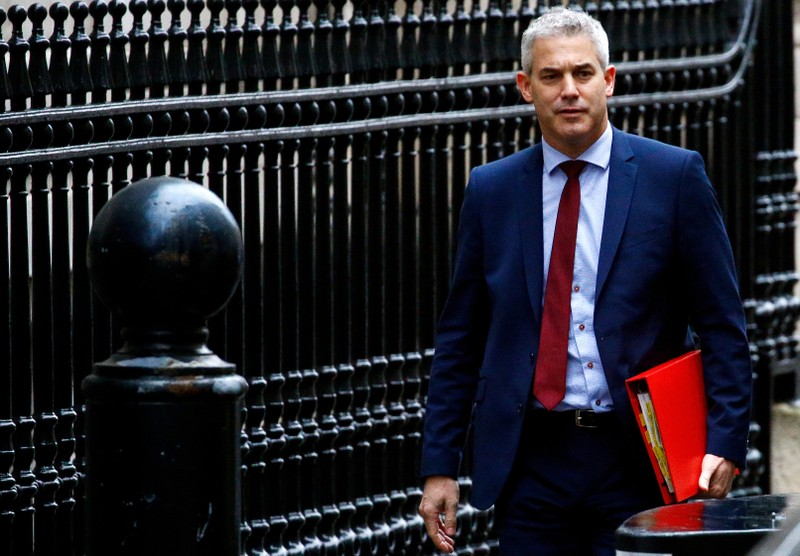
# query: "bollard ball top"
{"type": "Point", "coordinates": [165, 251]}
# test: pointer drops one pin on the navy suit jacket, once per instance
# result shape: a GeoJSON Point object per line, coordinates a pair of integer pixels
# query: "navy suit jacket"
{"type": "Point", "coordinates": [666, 270]}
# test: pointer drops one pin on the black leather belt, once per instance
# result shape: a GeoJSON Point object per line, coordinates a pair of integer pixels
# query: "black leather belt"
{"type": "Point", "coordinates": [583, 418]}
{"type": "Point", "coordinates": [588, 419]}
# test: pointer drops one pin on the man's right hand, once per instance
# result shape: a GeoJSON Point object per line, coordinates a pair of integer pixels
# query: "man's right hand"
{"type": "Point", "coordinates": [440, 498]}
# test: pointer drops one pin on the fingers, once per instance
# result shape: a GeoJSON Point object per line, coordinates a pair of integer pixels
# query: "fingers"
{"type": "Point", "coordinates": [445, 541]}
{"type": "Point", "coordinates": [438, 510]}
{"type": "Point", "coordinates": [435, 526]}
{"type": "Point", "coordinates": [716, 476]}
{"type": "Point", "coordinates": [449, 521]}
{"type": "Point", "coordinates": [709, 465]}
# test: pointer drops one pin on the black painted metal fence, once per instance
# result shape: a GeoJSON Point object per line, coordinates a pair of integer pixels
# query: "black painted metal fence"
{"type": "Point", "coordinates": [340, 135]}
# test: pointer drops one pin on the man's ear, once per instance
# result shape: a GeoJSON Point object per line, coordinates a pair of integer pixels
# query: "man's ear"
{"type": "Point", "coordinates": [610, 77]}
{"type": "Point", "coordinates": [524, 86]}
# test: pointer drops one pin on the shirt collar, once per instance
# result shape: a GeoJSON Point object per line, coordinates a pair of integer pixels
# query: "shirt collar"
{"type": "Point", "coordinates": [599, 154]}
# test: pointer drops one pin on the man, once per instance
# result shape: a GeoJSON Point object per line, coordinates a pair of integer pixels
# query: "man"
{"type": "Point", "coordinates": [561, 458]}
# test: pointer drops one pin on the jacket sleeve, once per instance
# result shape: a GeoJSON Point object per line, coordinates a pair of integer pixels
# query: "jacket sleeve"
{"type": "Point", "coordinates": [459, 346]}
{"type": "Point", "coordinates": [716, 313]}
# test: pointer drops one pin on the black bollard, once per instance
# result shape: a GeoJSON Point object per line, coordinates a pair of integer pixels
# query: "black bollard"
{"type": "Point", "coordinates": [163, 413]}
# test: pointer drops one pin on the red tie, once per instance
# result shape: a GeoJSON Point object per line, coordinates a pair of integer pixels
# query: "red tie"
{"type": "Point", "coordinates": [550, 378]}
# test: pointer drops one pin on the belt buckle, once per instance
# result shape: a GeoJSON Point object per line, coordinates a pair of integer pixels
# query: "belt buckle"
{"type": "Point", "coordinates": [584, 419]}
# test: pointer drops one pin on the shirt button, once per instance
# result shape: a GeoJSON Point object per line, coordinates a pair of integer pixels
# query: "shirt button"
{"type": "Point", "coordinates": [590, 365]}
{"type": "Point", "coordinates": [577, 288]}
{"type": "Point", "coordinates": [597, 403]}
{"type": "Point", "coordinates": [582, 327]}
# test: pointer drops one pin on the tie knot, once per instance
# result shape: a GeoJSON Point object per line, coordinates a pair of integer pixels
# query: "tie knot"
{"type": "Point", "coordinates": [573, 168]}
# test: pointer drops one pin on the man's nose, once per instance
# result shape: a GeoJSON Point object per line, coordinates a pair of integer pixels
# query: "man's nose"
{"type": "Point", "coordinates": [570, 87]}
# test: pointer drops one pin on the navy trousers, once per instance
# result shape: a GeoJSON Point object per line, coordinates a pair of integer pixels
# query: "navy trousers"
{"type": "Point", "coordinates": [571, 487]}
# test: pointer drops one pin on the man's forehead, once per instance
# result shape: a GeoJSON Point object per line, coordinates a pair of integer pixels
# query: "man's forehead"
{"type": "Point", "coordinates": [560, 51]}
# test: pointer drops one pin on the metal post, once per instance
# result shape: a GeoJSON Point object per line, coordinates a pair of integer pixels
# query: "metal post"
{"type": "Point", "coordinates": [163, 412]}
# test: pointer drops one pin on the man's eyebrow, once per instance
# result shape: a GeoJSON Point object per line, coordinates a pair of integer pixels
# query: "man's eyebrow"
{"type": "Point", "coordinates": [550, 69]}
{"type": "Point", "coordinates": [557, 68]}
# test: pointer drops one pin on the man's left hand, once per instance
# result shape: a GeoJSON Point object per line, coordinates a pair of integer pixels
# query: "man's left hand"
{"type": "Point", "coordinates": [716, 476]}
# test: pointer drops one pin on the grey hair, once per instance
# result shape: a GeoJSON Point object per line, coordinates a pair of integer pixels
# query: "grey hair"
{"type": "Point", "coordinates": [561, 22]}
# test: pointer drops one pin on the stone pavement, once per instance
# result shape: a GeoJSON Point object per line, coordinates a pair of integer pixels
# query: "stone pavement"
{"type": "Point", "coordinates": [785, 448]}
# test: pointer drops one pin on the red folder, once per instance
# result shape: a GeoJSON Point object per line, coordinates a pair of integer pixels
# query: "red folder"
{"type": "Point", "coordinates": [678, 398]}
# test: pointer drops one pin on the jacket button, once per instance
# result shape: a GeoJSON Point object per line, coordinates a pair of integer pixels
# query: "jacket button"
{"type": "Point", "coordinates": [519, 409]}
{"type": "Point", "coordinates": [533, 357]}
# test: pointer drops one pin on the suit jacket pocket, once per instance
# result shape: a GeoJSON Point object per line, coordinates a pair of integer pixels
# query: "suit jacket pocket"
{"type": "Point", "coordinates": [639, 237]}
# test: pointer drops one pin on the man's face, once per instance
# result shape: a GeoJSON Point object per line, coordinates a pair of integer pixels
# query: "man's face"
{"type": "Point", "coordinates": [569, 90]}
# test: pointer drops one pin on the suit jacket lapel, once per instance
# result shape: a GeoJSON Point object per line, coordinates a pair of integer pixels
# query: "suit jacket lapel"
{"type": "Point", "coordinates": [621, 180]}
{"type": "Point", "coordinates": [529, 210]}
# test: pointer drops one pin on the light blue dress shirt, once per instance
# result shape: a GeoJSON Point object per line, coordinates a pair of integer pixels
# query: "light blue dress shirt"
{"type": "Point", "coordinates": [586, 382]}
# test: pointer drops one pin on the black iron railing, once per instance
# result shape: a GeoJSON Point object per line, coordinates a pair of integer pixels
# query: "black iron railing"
{"type": "Point", "coordinates": [340, 135]}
